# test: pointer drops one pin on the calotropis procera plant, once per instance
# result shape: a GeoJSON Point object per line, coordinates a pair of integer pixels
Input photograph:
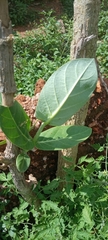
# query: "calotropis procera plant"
{"type": "Point", "coordinates": [66, 91]}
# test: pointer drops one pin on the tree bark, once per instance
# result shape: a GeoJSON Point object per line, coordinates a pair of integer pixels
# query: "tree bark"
{"type": "Point", "coordinates": [8, 88]}
{"type": "Point", "coordinates": [84, 44]}
{"type": "Point", "coordinates": [4, 15]}
{"type": "Point", "coordinates": [7, 84]}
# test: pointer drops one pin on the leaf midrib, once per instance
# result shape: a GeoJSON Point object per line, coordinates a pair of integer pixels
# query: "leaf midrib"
{"type": "Point", "coordinates": [53, 140]}
{"type": "Point", "coordinates": [64, 100]}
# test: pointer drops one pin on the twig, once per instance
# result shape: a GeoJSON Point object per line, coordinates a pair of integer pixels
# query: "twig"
{"type": "Point", "coordinates": [82, 42]}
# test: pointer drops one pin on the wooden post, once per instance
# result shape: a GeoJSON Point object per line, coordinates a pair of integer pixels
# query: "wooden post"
{"type": "Point", "coordinates": [8, 88]}
{"type": "Point", "coordinates": [84, 44]}
{"type": "Point", "coordinates": [7, 84]}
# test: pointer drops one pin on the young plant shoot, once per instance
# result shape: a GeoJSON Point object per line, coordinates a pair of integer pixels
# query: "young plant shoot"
{"type": "Point", "coordinates": [65, 92]}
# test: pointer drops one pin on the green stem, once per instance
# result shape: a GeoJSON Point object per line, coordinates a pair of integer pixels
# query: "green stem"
{"type": "Point", "coordinates": [39, 131]}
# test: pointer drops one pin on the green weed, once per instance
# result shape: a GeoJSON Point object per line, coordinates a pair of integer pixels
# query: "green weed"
{"type": "Point", "coordinates": [45, 48]}
{"type": "Point", "coordinates": [73, 214]}
{"type": "Point", "coordinates": [102, 44]}
{"type": "Point", "coordinates": [68, 7]}
{"type": "Point", "coordinates": [102, 55]}
{"type": "Point", "coordinates": [103, 24]}
{"type": "Point", "coordinates": [20, 12]}
{"type": "Point", "coordinates": [41, 52]}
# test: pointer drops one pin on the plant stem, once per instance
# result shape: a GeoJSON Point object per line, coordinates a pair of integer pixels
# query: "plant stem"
{"type": "Point", "coordinates": [24, 187]}
{"type": "Point", "coordinates": [39, 131]}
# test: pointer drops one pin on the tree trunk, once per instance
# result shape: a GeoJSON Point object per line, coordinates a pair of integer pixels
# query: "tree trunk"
{"type": "Point", "coordinates": [84, 44]}
{"type": "Point", "coordinates": [8, 88]}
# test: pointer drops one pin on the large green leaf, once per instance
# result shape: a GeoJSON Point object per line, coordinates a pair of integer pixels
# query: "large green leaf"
{"type": "Point", "coordinates": [62, 137]}
{"type": "Point", "coordinates": [15, 124]}
{"type": "Point", "coordinates": [66, 91]}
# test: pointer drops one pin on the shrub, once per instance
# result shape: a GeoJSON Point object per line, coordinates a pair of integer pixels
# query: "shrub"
{"type": "Point", "coordinates": [40, 52]}
{"type": "Point", "coordinates": [102, 55]}
{"type": "Point", "coordinates": [102, 50]}
{"type": "Point", "coordinates": [20, 12]}
{"type": "Point", "coordinates": [79, 214]}
{"type": "Point", "coordinates": [103, 24]}
{"type": "Point", "coordinates": [104, 4]}
{"type": "Point", "coordinates": [68, 7]}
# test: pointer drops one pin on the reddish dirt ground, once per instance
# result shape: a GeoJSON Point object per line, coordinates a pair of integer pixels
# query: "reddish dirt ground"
{"type": "Point", "coordinates": [97, 119]}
